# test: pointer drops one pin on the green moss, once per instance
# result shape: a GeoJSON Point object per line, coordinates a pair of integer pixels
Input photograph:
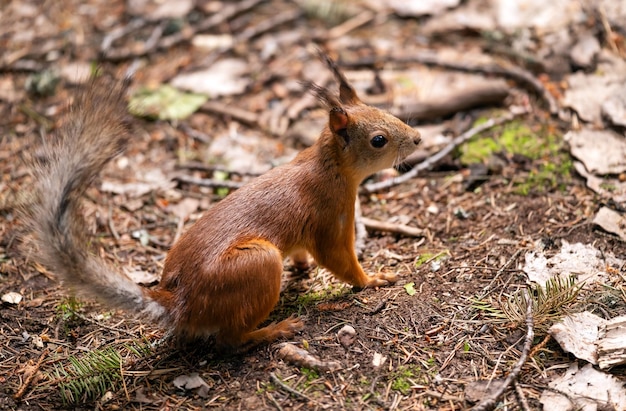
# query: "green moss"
{"type": "Point", "coordinates": [512, 138]}
{"type": "Point", "coordinates": [310, 374]}
{"type": "Point", "coordinates": [478, 151]}
{"type": "Point", "coordinates": [547, 176]}
{"type": "Point", "coordinates": [551, 164]}
{"type": "Point", "coordinates": [313, 297]}
{"type": "Point", "coordinates": [68, 309]}
{"type": "Point", "coordinates": [401, 378]}
{"type": "Point", "coordinates": [426, 257]}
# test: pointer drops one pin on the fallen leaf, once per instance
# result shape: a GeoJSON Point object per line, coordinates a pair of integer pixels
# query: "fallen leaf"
{"type": "Point", "coordinates": [585, 389]}
{"type": "Point", "coordinates": [415, 8]}
{"type": "Point", "coordinates": [601, 151]}
{"type": "Point", "coordinates": [608, 187]}
{"type": "Point", "coordinates": [410, 288]}
{"type": "Point", "coordinates": [142, 277]}
{"type": "Point", "coordinates": [185, 207]}
{"type": "Point", "coordinates": [611, 221]}
{"type": "Point", "coordinates": [153, 10]}
{"type": "Point", "coordinates": [577, 334]}
{"type": "Point", "coordinates": [585, 262]}
{"type": "Point", "coordinates": [165, 103]}
{"type": "Point", "coordinates": [191, 382]}
{"type": "Point", "coordinates": [150, 181]}
{"type": "Point", "coordinates": [475, 391]}
{"type": "Point", "coordinates": [225, 77]}
{"type": "Point", "coordinates": [586, 93]}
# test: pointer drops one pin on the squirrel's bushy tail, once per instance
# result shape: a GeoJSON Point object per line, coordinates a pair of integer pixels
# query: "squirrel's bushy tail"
{"type": "Point", "coordinates": [94, 132]}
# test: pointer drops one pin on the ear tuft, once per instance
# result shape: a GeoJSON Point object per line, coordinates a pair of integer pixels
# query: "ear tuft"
{"type": "Point", "coordinates": [347, 94]}
{"type": "Point", "coordinates": [322, 94]}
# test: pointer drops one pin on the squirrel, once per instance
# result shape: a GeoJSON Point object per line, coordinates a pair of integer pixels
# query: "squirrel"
{"type": "Point", "coordinates": [223, 276]}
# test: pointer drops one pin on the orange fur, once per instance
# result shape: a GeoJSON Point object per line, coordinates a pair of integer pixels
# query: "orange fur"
{"type": "Point", "coordinates": [223, 276]}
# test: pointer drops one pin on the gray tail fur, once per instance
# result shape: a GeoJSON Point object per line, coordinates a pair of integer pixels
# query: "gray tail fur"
{"type": "Point", "coordinates": [95, 131]}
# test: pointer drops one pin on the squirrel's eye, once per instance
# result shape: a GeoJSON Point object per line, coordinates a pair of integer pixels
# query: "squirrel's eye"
{"type": "Point", "coordinates": [378, 141]}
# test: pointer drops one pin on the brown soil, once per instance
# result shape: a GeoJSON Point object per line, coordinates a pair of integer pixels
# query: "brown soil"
{"type": "Point", "coordinates": [435, 342]}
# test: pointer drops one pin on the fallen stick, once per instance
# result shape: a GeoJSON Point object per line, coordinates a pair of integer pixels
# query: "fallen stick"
{"type": "Point", "coordinates": [492, 93]}
{"type": "Point", "coordinates": [401, 229]}
{"type": "Point", "coordinates": [207, 182]}
{"type": "Point", "coordinates": [434, 159]}
{"type": "Point", "coordinates": [360, 229]}
{"type": "Point", "coordinates": [431, 58]}
{"type": "Point", "coordinates": [491, 402]}
{"type": "Point", "coordinates": [302, 358]}
{"type": "Point", "coordinates": [287, 388]}
{"type": "Point", "coordinates": [157, 42]}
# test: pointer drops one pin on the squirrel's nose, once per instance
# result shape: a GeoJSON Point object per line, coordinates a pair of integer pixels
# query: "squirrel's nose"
{"type": "Point", "coordinates": [417, 139]}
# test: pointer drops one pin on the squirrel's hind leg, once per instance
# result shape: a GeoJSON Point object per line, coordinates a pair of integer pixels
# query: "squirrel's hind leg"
{"type": "Point", "coordinates": [253, 271]}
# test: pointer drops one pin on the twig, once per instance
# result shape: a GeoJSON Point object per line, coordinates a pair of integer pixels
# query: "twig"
{"type": "Point", "coordinates": [20, 393]}
{"type": "Point", "coordinates": [520, 396]}
{"type": "Point", "coordinates": [200, 166]}
{"type": "Point", "coordinates": [273, 400]}
{"type": "Point", "coordinates": [157, 42]}
{"type": "Point", "coordinates": [351, 24]}
{"type": "Point", "coordinates": [431, 58]}
{"type": "Point", "coordinates": [502, 269]}
{"type": "Point", "coordinates": [540, 346]}
{"type": "Point", "coordinates": [112, 225]}
{"type": "Point", "coordinates": [101, 325]}
{"type": "Point", "coordinates": [120, 32]}
{"type": "Point", "coordinates": [241, 115]}
{"type": "Point", "coordinates": [287, 388]}
{"type": "Point", "coordinates": [207, 182]}
{"type": "Point", "coordinates": [434, 159]}
{"type": "Point", "coordinates": [608, 32]}
{"type": "Point", "coordinates": [379, 307]}
{"type": "Point", "coordinates": [268, 24]}
{"type": "Point", "coordinates": [361, 231]}
{"type": "Point", "coordinates": [401, 229]}
{"type": "Point", "coordinates": [490, 403]}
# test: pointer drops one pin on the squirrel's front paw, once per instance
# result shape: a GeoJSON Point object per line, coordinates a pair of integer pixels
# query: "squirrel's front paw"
{"type": "Point", "coordinates": [382, 279]}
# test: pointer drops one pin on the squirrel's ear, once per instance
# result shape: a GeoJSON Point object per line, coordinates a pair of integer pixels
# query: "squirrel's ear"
{"type": "Point", "coordinates": [347, 95]}
{"type": "Point", "coordinates": [338, 123]}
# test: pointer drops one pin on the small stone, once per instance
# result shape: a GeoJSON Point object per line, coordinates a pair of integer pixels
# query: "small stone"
{"type": "Point", "coordinates": [378, 359]}
{"type": "Point", "coordinates": [433, 209]}
{"type": "Point", "coordinates": [12, 298]}
{"type": "Point", "coordinates": [346, 336]}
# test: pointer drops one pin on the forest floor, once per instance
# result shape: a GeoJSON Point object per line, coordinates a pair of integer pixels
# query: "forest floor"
{"type": "Point", "coordinates": [453, 320]}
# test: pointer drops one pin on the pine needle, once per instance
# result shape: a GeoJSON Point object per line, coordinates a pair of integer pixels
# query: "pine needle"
{"type": "Point", "coordinates": [549, 303]}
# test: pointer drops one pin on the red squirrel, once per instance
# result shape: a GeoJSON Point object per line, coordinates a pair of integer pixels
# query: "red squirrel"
{"type": "Point", "coordinates": [223, 276]}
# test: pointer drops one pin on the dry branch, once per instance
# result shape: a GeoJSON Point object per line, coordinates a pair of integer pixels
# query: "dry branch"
{"type": "Point", "coordinates": [301, 357]}
{"type": "Point", "coordinates": [401, 229]}
{"type": "Point", "coordinates": [493, 93]}
{"type": "Point", "coordinates": [360, 228]}
{"type": "Point", "coordinates": [157, 42]}
{"type": "Point", "coordinates": [431, 161]}
{"type": "Point", "coordinates": [287, 388]}
{"type": "Point", "coordinates": [431, 58]}
{"type": "Point", "coordinates": [491, 402]}
{"type": "Point", "coordinates": [207, 182]}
